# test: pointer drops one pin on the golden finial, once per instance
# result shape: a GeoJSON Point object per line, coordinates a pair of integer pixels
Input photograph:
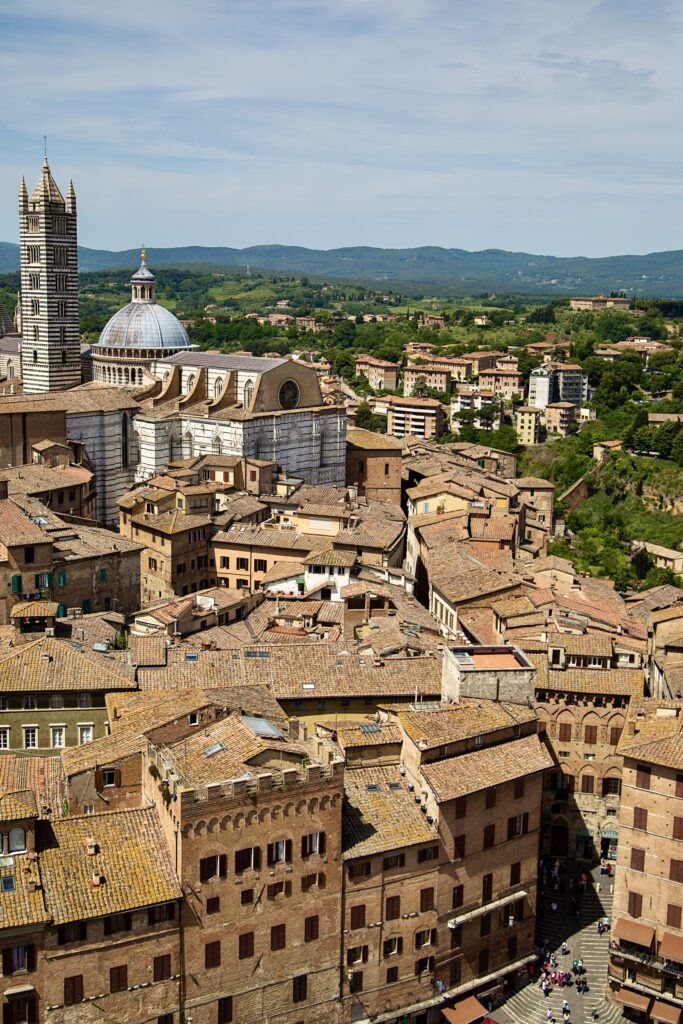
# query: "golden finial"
{"type": "Point", "coordinates": [143, 253]}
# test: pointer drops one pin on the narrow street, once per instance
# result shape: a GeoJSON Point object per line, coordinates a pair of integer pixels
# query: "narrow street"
{"type": "Point", "coordinates": [529, 1005]}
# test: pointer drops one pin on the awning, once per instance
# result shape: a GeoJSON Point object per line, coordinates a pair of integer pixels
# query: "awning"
{"type": "Point", "coordinates": [665, 1013]}
{"type": "Point", "coordinates": [671, 947]}
{"type": "Point", "coordinates": [631, 931]}
{"type": "Point", "coordinates": [465, 1012]}
{"type": "Point", "coordinates": [634, 1000]}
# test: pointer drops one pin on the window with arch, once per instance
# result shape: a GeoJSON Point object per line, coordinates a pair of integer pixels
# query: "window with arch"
{"type": "Point", "coordinates": [216, 446]}
{"type": "Point", "coordinates": [188, 445]}
{"type": "Point", "coordinates": [327, 447]}
{"type": "Point", "coordinates": [174, 447]}
{"type": "Point", "coordinates": [10, 369]}
{"type": "Point", "coordinates": [248, 393]}
{"type": "Point", "coordinates": [35, 356]}
{"type": "Point", "coordinates": [587, 782]}
{"type": "Point", "coordinates": [190, 382]}
{"type": "Point", "coordinates": [17, 840]}
{"type": "Point", "coordinates": [217, 387]}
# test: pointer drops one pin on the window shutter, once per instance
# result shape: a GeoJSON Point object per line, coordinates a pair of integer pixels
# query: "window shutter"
{"type": "Point", "coordinates": [288, 888]}
{"type": "Point", "coordinates": [36, 580]}
{"type": "Point", "coordinates": [304, 846]}
{"type": "Point", "coordinates": [257, 858]}
{"type": "Point", "coordinates": [7, 1013]}
{"type": "Point", "coordinates": [511, 828]}
{"type": "Point", "coordinates": [525, 823]}
{"type": "Point", "coordinates": [16, 584]}
{"type": "Point", "coordinates": [222, 866]}
{"type": "Point", "coordinates": [117, 776]}
{"type": "Point", "coordinates": [31, 957]}
{"type": "Point", "coordinates": [31, 1010]}
{"type": "Point", "coordinates": [204, 869]}
{"type": "Point", "coordinates": [365, 954]}
{"type": "Point", "coordinates": [98, 780]}
{"type": "Point", "coordinates": [433, 937]}
{"type": "Point", "coordinates": [288, 850]}
{"type": "Point", "coordinates": [50, 579]}
{"type": "Point", "coordinates": [6, 961]}
{"type": "Point", "coordinates": [678, 828]}
{"type": "Point", "coordinates": [107, 926]}
{"type": "Point", "coordinates": [400, 945]}
{"type": "Point", "coordinates": [322, 843]}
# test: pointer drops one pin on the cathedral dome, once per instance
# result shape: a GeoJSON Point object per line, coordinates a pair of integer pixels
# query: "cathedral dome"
{"type": "Point", "coordinates": [144, 325]}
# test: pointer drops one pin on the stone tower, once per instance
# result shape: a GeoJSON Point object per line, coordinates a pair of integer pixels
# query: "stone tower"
{"type": "Point", "coordinates": [50, 350]}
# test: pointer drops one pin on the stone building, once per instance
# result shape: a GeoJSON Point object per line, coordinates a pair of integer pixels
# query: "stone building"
{"type": "Point", "coordinates": [645, 973]}
{"type": "Point", "coordinates": [53, 694]}
{"type": "Point", "coordinates": [379, 373]}
{"type": "Point", "coordinates": [50, 350]}
{"type": "Point", "coordinates": [137, 335]}
{"type": "Point", "coordinates": [265, 409]}
{"type": "Point", "coordinates": [176, 556]}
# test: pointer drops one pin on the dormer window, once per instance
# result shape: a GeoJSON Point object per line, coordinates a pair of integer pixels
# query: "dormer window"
{"type": "Point", "coordinates": [17, 840]}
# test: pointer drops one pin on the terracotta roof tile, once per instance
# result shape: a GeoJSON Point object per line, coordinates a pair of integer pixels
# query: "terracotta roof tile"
{"type": "Point", "coordinates": [380, 813]}
{"type": "Point", "coordinates": [490, 766]}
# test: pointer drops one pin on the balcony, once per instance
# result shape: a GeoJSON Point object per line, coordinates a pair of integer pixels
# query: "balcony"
{"type": "Point", "coordinates": [638, 955]}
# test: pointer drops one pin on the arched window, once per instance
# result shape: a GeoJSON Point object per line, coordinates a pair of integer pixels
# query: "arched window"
{"type": "Point", "coordinates": [327, 447]}
{"type": "Point", "coordinates": [10, 369]}
{"type": "Point", "coordinates": [124, 440]}
{"type": "Point", "coordinates": [188, 445]}
{"type": "Point", "coordinates": [174, 447]}
{"type": "Point", "coordinates": [17, 840]}
{"type": "Point", "coordinates": [216, 446]}
{"type": "Point", "coordinates": [248, 393]}
{"type": "Point", "coordinates": [35, 356]}
{"type": "Point", "coordinates": [217, 386]}
{"type": "Point", "coordinates": [190, 382]}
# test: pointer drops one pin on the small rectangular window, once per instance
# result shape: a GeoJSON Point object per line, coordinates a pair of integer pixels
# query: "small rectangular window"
{"type": "Point", "coordinates": [246, 945]}
{"type": "Point", "coordinates": [357, 916]}
{"type": "Point", "coordinates": [458, 896]}
{"type": "Point", "coordinates": [118, 978]}
{"type": "Point", "coordinates": [212, 955]}
{"type": "Point", "coordinates": [278, 937]}
{"type": "Point", "coordinates": [311, 928]}
{"type": "Point", "coordinates": [393, 908]}
{"type": "Point", "coordinates": [73, 990]}
{"type": "Point", "coordinates": [635, 904]}
{"type": "Point", "coordinates": [162, 967]}
{"type": "Point", "coordinates": [225, 1010]}
{"type": "Point", "coordinates": [299, 988]}
{"type": "Point", "coordinates": [637, 859]}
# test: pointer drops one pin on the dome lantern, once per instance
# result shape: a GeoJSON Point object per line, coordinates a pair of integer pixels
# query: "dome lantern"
{"type": "Point", "coordinates": [142, 282]}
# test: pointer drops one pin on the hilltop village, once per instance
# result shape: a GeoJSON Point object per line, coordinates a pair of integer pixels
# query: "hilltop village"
{"type": "Point", "coordinates": [294, 699]}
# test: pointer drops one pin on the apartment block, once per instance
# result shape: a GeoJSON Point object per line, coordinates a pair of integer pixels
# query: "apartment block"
{"type": "Point", "coordinates": [527, 424]}
{"type": "Point", "coordinates": [430, 375]}
{"type": "Point", "coordinates": [379, 373]}
{"type": "Point", "coordinates": [422, 417]}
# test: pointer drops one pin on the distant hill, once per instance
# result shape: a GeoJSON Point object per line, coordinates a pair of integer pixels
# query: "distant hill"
{"type": "Point", "coordinates": [654, 274]}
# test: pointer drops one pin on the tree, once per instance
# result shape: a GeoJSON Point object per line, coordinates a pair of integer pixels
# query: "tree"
{"type": "Point", "coordinates": [368, 420]}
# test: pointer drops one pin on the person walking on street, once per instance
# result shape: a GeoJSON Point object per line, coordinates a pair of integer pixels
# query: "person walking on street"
{"type": "Point", "coordinates": [565, 949]}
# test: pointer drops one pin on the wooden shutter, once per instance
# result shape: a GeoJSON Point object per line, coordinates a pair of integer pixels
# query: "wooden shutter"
{"type": "Point", "coordinates": [461, 807]}
{"type": "Point", "coordinates": [515, 873]}
{"type": "Point", "coordinates": [222, 867]}
{"type": "Point", "coordinates": [6, 961]}
{"type": "Point", "coordinates": [525, 823]}
{"type": "Point", "coordinates": [205, 869]}
{"type": "Point", "coordinates": [678, 828]}
{"type": "Point", "coordinates": [511, 828]}
{"type": "Point", "coordinates": [637, 859]}
{"type": "Point", "coordinates": [30, 957]}
{"type": "Point", "coordinates": [117, 777]}
{"type": "Point", "coordinates": [643, 773]}
{"type": "Point", "coordinates": [635, 904]}
{"type": "Point", "coordinates": [673, 916]}
{"type": "Point", "coordinates": [288, 850]}
{"type": "Point", "coordinates": [590, 735]}
{"type": "Point", "coordinates": [322, 843]}
{"type": "Point", "coordinates": [640, 818]}
{"type": "Point", "coordinates": [679, 785]}
{"type": "Point", "coordinates": [257, 858]}
{"type": "Point", "coordinates": [99, 779]}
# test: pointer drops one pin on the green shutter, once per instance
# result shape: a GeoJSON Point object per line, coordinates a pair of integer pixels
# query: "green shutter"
{"type": "Point", "coordinates": [103, 575]}
{"type": "Point", "coordinates": [61, 611]}
{"type": "Point", "coordinates": [50, 581]}
{"type": "Point", "coordinates": [16, 584]}
{"type": "Point", "coordinates": [86, 605]}
{"type": "Point", "coordinates": [61, 578]}
{"type": "Point", "coordinates": [37, 579]}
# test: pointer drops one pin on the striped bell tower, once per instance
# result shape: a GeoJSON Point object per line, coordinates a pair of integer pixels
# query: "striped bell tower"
{"type": "Point", "coordinates": [50, 348]}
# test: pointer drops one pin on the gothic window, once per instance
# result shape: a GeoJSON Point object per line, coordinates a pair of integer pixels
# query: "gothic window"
{"type": "Point", "coordinates": [10, 369]}
{"type": "Point", "coordinates": [61, 259]}
{"type": "Point", "coordinates": [60, 282]}
{"type": "Point", "coordinates": [35, 357]}
{"type": "Point", "coordinates": [248, 393]}
{"type": "Point", "coordinates": [35, 307]}
{"type": "Point", "coordinates": [217, 387]}
{"type": "Point", "coordinates": [32, 222]}
{"type": "Point", "coordinates": [33, 254]}
{"type": "Point", "coordinates": [288, 395]}
{"type": "Point", "coordinates": [174, 447]}
{"type": "Point", "coordinates": [35, 333]}
{"type": "Point", "coordinates": [216, 446]}
{"type": "Point", "coordinates": [327, 448]}
{"type": "Point", "coordinates": [61, 308]}
{"type": "Point", "coordinates": [190, 382]}
{"type": "Point", "coordinates": [34, 282]}
{"type": "Point", "coordinates": [63, 357]}
{"type": "Point", "coordinates": [188, 445]}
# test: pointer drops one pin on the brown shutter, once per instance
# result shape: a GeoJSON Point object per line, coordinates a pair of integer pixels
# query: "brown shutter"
{"type": "Point", "coordinates": [322, 843]}
{"type": "Point", "coordinates": [288, 850]}
{"type": "Point", "coordinates": [640, 818]}
{"type": "Point", "coordinates": [678, 828]}
{"type": "Point", "coordinates": [673, 916]}
{"type": "Point", "coordinates": [30, 957]}
{"type": "Point", "coordinates": [6, 961]}
{"type": "Point", "coordinates": [525, 823]}
{"type": "Point", "coordinates": [98, 779]}
{"type": "Point", "coordinates": [257, 858]}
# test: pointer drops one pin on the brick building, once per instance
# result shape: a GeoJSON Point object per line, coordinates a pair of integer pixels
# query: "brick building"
{"type": "Point", "coordinates": [373, 465]}
{"type": "Point", "coordinates": [645, 972]}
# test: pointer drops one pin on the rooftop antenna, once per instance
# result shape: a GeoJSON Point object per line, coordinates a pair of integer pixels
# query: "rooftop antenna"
{"type": "Point", "coordinates": [45, 147]}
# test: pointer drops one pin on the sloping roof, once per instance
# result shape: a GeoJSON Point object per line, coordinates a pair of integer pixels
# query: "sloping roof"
{"type": "Point", "coordinates": [41, 776]}
{"type": "Point", "coordinates": [220, 361]}
{"type": "Point", "coordinates": [382, 817]}
{"type": "Point", "coordinates": [17, 805]}
{"type": "Point", "coordinates": [52, 664]}
{"type": "Point", "coordinates": [452, 723]}
{"type": "Point", "coordinates": [367, 440]}
{"type": "Point", "coordinates": [132, 860]}
{"type": "Point", "coordinates": [490, 766]}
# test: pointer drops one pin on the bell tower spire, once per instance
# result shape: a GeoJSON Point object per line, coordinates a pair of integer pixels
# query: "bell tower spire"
{"type": "Point", "coordinates": [50, 347]}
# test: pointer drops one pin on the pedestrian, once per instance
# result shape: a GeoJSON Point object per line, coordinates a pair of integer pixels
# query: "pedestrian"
{"type": "Point", "coordinates": [565, 949]}
{"type": "Point", "coordinates": [549, 1016]}
{"type": "Point", "coordinates": [594, 1014]}
{"type": "Point", "coordinates": [565, 1005]}
{"type": "Point", "coordinates": [601, 927]}
{"type": "Point", "coordinates": [580, 966]}
{"type": "Point", "coordinates": [575, 966]}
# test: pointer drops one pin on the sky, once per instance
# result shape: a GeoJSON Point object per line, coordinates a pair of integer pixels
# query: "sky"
{"type": "Point", "coordinates": [543, 126]}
